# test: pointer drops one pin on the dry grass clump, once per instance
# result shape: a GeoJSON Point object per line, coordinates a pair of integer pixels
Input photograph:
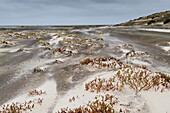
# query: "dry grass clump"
{"type": "Point", "coordinates": [123, 46]}
{"type": "Point", "coordinates": [100, 33]}
{"type": "Point", "coordinates": [80, 42]}
{"type": "Point", "coordinates": [67, 40]}
{"type": "Point", "coordinates": [18, 107]}
{"type": "Point", "coordinates": [137, 77]}
{"type": "Point", "coordinates": [134, 53]}
{"type": "Point", "coordinates": [98, 39]}
{"type": "Point", "coordinates": [67, 46]}
{"type": "Point", "coordinates": [101, 104]}
{"type": "Point", "coordinates": [76, 40]}
{"type": "Point", "coordinates": [103, 62]}
{"type": "Point", "coordinates": [42, 42]}
{"type": "Point", "coordinates": [36, 92]}
{"type": "Point", "coordinates": [103, 84]}
{"type": "Point", "coordinates": [25, 35]}
{"type": "Point", "coordinates": [27, 106]}
{"type": "Point", "coordinates": [6, 42]}
{"type": "Point", "coordinates": [47, 48]}
{"type": "Point", "coordinates": [63, 51]}
{"type": "Point", "coordinates": [21, 49]}
{"type": "Point", "coordinates": [86, 61]}
{"type": "Point", "coordinates": [68, 34]}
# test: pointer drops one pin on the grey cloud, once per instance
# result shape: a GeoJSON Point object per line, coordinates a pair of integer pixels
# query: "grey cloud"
{"type": "Point", "coordinates": [76, 11]}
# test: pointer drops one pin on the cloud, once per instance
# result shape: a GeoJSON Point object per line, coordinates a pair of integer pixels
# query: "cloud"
{"type": "Point", "coordinates": [76, 11]}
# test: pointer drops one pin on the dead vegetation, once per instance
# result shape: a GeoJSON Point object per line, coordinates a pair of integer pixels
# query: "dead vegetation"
{"type": "Point", "coordinates": [101, 104]}
{"type": "Point", "coordinates": [27, 106]}
{"type": "Point", "coordinates": [42, 42]}
{"type": "Point", "coordinates": [4, 42]}
{"type": "Point", "coordinates": [25, 35]}
{"type": "Point", "coordinates": [134, 53]}
{"type": "Point", "coordinates": [63, 51]}
{"type": "Point", "coordinates": [138, 78]}
{"type": "Point", "coordinates": [36, 92]}
{"type": "Point", "coordinates": [123, 46]}
{"type": "Point", "coordinates": [103, 62]}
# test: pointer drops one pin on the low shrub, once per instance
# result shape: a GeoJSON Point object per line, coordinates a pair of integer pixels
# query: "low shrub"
{"type": "Point", "coordinates": [167, 21]}
{"type": "Point", "coordinates": [151, 22]}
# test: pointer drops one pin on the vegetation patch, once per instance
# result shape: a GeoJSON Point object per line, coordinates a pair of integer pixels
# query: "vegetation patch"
{"type": "Point", "coordinates": [151, 22]}
{"type": "Point", "coordinates": [36, 92]}
{"type": "Point", "coordinates": [42, 42]}
{"type": "Point", "coordinates": [101, 104]}
{"type": "Point", "coordinates": [27, 106]}
{"type": "Point", "coordinates": [167, 21]}
{"type": "Point", "coordinates": [103, 62]}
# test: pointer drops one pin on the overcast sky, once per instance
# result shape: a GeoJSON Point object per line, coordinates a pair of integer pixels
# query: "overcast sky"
{"type": "Point", "coordinates": [73, 12]}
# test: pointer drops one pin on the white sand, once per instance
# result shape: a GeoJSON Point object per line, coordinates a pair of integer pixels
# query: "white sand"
{"type": "Point", "coordinates": [125, 50]}
{"type": "Point", "coordinates": [146, 101]}
{"type": "Point", "coordinates": [48, 98]}
{"type": "Point", "coordinates": [139, 62]}
{"type": "Point", "coordinates": [82, 97]}
{"type": "Point", "coordinates": [55, 40]}
{"type": "Point", "coordinates": [166, 48]}
{"type": "Point", "coordinates": [158, 102]}
{"type": "Point", "coordinates": [156, 30]}
{"type": "Point", "coordinates": [27, 67]}
{"type": "Point", "coordinates": [11, 50]}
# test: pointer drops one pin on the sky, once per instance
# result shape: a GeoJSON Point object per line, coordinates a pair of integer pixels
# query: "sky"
{"type": "Point", "coordinates": [76, 12]}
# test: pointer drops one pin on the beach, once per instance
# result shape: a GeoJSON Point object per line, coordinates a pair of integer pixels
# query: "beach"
{"type": "Point", "coordinates": [84, 69]}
